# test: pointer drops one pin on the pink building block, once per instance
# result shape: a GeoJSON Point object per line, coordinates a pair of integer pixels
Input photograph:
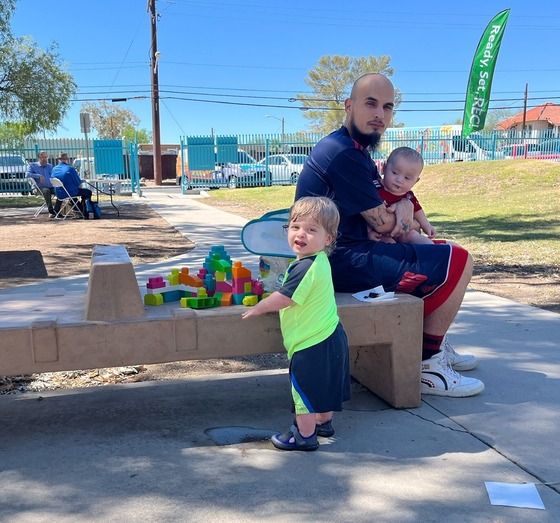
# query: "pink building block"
{"type": "Point", "coordinates": [223, 286]}
{"type": "Point", "coordinates": [257, 288]}
{"type": "Point", "coordinates": [241, 285]}
{"type": "Point", "coordinates": [155, 282]}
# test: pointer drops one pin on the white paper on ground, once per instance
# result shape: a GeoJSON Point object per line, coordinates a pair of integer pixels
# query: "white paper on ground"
{"type": "Point", "coordinates": [380, 293]}
{"type": "Point", "coordinates": [523, 495]}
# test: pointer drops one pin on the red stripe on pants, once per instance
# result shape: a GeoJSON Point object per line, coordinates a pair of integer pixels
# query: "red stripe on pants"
{"type": "Point", "coordinates": [459, 257]}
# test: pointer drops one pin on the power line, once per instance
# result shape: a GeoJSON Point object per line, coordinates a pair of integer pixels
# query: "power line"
{"type": "Point", "coordinates": [243, 89]}
{"type": "Point", "coordinates": [304, 99]}
{"type": "Point", "coordinates": [277, 67]}
{"type": "Point", "coordinates": [173, 117]}
{"type": "Point", "coordinates": [298, 107]}
{"type": "Point", "coordinates": [121, 65]}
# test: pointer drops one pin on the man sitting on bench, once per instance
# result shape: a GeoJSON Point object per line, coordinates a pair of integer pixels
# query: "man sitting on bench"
{"type": "Point", "coordinates": [341, 168]}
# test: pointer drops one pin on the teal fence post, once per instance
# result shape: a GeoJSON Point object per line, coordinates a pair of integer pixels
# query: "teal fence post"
{"type": "Point", "coordinates": [267, 182]}
{"type": "Point", "coordinates": [133, 167]}
{"type": "Point", "coordinates": [182, 156]}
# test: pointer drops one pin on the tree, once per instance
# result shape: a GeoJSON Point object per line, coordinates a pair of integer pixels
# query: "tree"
{"type": "Point", "coordinates": [331, 81]}
{"type": "Point", "coordinates": [35, 88]}
{"type": "Point", "coordinates": [7, 8]}
{"type": "Point", "coordinates": [494, 117]}
{"type": "Point", "coordinates": [13, 134]}
{"type": "Point", "coordinates": [137, 135]}
{"type": "Point", "coordinates": [110, 120]}
{"type": "Point", "coordinates": [457, 121]}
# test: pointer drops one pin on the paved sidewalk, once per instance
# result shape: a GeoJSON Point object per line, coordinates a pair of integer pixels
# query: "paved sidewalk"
{"type": "Point", "coordinates": [192, 450]}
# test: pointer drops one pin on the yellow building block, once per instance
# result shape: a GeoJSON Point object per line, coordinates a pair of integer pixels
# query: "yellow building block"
{"type": "Point", "coordinates": [250, 301]}
{"type": "Point", "coordinates": [173, 277]}
{"type": "Point", "coordinates": [153, 299]}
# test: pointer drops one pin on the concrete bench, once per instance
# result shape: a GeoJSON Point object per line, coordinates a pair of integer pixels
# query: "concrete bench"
{"type": "Point", "coordinates": [385, 337]}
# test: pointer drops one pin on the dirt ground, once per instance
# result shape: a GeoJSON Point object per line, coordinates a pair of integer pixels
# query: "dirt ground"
{"type": "Point", "coordinates": [36, 249]}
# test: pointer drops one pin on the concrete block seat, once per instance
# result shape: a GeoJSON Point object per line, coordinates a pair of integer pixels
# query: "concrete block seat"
{"type": "Point", "coordinates": [117, 329]}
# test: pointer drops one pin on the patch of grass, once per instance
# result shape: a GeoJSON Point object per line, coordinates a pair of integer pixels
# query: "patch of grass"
{"type": "Point", "coordinates": [19, 202]}
{"type": "Point", "coordinates": [506, 213]}
{"type": "Point", "coordinates": [259, 199]}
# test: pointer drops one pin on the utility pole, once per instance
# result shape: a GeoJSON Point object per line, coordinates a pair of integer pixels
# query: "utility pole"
{"type": "Point", "coordinates": [155, 94]}
{"type": "Point", "coordinates": [524, 120]}
{"type": "Point", "coordinates": [525, 108]}
{"type": "Point", "coordinates": [281, 120]}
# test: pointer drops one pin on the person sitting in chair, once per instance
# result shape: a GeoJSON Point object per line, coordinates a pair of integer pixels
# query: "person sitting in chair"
{"type": "Point", "coordinates": [72, 182]}
{"type": "Point", "coordinates": [40, 171]}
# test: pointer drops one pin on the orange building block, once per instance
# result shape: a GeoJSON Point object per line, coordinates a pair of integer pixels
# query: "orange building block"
{"type": "Point", "coordinates": [238, 271]}
{"type": "Point", "coordinates": [187, 279]}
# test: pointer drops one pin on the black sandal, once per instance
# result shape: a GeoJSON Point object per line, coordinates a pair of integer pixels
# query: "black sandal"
{"type": "Point", "coordinates": [283, 441]}
{"type": "Point", "coordinates": [324, 430]}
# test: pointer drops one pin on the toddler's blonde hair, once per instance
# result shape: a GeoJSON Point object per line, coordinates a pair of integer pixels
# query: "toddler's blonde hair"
{"type": "Point", "coordinates": [321, 209]}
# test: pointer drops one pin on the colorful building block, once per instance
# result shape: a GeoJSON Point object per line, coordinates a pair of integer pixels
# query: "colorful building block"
{"type": "Point", "coordinates": [257, 287]}
{"type": "Point", "coordinates": [172, 295]}
{"type": "Point", "coordinates": [156, 282]}
{"type": "Point", "coordinates": [250, 301]}
{"type": "Point", "coordinates": [187, 279]}
{"type": "Point", "coordinates": [223, 299]}
{"type": "Point", "coordinates": [153, 299]}
{"type": "Point", "coordinates": [173, 277]}
{"type": "Point", "coordinates": [218, 283]}
{"type": "Point", "coordinates": [238, 271]}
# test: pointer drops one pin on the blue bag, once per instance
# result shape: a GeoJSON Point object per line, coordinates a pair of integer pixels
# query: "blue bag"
{"type": "Point", "coordinates": [93, 208]}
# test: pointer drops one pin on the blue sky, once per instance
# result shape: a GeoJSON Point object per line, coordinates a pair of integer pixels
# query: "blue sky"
{"type": "Point", "coordinates": [226, 64]}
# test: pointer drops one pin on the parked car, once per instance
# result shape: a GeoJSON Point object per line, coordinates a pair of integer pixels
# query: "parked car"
{"type": "Point", "coordinates": [284, 167]}
{"type": "Point", "coordinates": [85, 167]}
{"type": "Point", "coordinates": [442, 143]}
{"type": "Point", "coordinates": [247, 172]}
{"type": "Point", "coordinates": [518, 150]}
{"type": "Point", "coordinates": [547, 150]}
{"type": "Point", "coordinates": [13, 168]}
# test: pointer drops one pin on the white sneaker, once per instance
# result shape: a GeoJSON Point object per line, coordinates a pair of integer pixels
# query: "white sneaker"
{"type": "Point", "coordinates": [460, 362]}
{"type": "Point", "coordinates": [439, 379]}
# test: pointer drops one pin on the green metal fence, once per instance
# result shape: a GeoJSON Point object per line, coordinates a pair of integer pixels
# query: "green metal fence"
{"type": "Point", "coordinates": [243, 160]}
{"type": "Point", "coordinates": [269, 159]}
{"type": "Point", "coordinates": [264, 160]}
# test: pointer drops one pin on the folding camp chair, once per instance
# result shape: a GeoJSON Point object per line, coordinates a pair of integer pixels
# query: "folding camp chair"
{"type": "Point", "coordinates": [72, 202]}
{"type": "Point", "coordinates": [37, 190]}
